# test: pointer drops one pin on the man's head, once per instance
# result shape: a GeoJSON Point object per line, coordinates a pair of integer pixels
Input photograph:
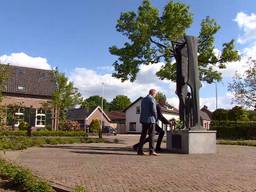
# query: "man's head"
{"type": "Point", "coordinates": [152, 92]}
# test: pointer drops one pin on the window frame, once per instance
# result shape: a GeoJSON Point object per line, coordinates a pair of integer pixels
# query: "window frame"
{"type": "Point", "coordinates": [41, 114]}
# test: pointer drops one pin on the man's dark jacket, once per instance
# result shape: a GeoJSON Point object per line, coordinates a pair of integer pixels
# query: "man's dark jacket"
{"type": "Point", "coordinates": [160, 115]}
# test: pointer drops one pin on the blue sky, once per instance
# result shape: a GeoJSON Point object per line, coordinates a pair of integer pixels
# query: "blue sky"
{"type": "Point", "coordinates": [75, 36]}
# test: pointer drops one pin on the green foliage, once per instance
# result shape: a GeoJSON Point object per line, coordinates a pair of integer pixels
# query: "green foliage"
{"type": "Point", "coordinates": [65, 96]}
{"type": "Point", "coordinates": [23, 126]}
{"type": "Point", "coordinates": [95, 126]}
{"type": "Point", "coordinates": [95, 101]}
{"type": "Point", "coordinates": [4, 75]}
{"type": "Point", "coordinates": [45, 133]}
{"type": "Point", "coordinates": [20, 143]}
{"type": "Point", "coordinates": [23, 178]}
{"type": "Point", "coordinates": [80, 189]}
{"type": "Point", "coordinates": [220, 115]}
{"type": "Point", "coordinates": [252, 115]}
{"type": "Point", "coordinates": [237, 142]}
{"type": "Point", "coordinates": [160, 97]}
{"type": "Point", "coordinates": [237, 113]}
{"type": "Point", "coordinates": [234, 129]}
{"type": "Point", "coordinates": [69, 125]}
{"type": "Point", "coordinates": [151, 39]}
{"type": "Point", "coordinates": [244, 86]}
{"type": "Point", "coordinates": [119, 103]}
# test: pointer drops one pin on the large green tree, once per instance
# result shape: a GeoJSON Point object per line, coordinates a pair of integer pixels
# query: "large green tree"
{"type": "Point", "coordinates": [65, 96]}
{"type": "Point", "coordinates": [237, 113]}
{"type": "Point", "coordinates": [152, 37]}
{"type": "Point", "coordinates": [120, 102]}
{"type": "Point", "coordinates": [244, 86]}
{"type": "Point", "coordinates": [94, 101]}
{"type": "Point", "coordinates": [220, 115]}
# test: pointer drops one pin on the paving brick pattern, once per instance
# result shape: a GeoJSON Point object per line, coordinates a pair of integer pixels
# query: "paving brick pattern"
{"type": "Point", "coordinates": [116, 168]}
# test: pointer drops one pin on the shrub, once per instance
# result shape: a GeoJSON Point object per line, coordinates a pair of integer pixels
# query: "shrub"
{"type": "Point", "coordinates": [80, 189]}
{"type": "Point", "coordinates": [23, 126]}
{"type": "Point", "coordinates": [70, 125]}
{"type": "Point", "coordinates": [95, 126]}
{"type": "Point", "coordinates": [45, 133]}
{"type": "Point", "coordinates": [23, 178]}
{"type": "Point", "coordinates": [234, 129]}
{"type": "Point", "coordinates": [14, 143]}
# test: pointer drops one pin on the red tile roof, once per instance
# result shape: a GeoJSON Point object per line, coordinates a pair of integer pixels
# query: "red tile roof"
{"type": "Point", "coordinates": [116, 115]}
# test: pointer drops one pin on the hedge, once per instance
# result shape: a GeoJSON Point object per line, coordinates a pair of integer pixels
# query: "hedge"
{"type": "Point", "coordinates": [234, 129]}
{"type": "Point", "coordinates": [45, 133]}
{"type": "Point", "coordinates": [23, 178]}
{"type": "Point", "coordinates": [20, 143]}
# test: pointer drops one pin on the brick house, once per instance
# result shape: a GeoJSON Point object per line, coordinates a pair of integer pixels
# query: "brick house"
{"type": "Point", "coordinates": [118, 117]}
{"type": "Point", "coordinates": [205, 117]}
{"type": "Point", "coordinates": [29, 89]}
{"type": "Point", "coordinates": [84, 117]}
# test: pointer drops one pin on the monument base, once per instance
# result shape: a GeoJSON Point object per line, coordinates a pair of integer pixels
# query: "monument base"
{"type": "Point", "coordinates": [191, 141]}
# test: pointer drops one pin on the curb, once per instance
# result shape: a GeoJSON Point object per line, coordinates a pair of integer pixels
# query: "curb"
{"type": "Point", "coordinates": [59, 187]}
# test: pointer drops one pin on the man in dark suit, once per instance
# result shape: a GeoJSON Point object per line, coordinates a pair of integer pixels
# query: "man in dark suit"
{"type": "Point", "coordinates": [148, 117]}
{"type": "Point", "coordinates": [157, 127]}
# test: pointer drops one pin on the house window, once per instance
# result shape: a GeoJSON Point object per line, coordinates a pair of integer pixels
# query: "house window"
{"type": "Point", "coordinates": [19, 117]}
{"type": "Point", "coordinates": [40, 118]}
{"type": "Point", "coordinates": [138, 110]}
{"type": "Point", "coordinates": [132, 126]}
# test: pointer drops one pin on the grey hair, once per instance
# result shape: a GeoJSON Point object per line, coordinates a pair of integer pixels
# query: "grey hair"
{"type": "Point", "coordinates": [151, 91]}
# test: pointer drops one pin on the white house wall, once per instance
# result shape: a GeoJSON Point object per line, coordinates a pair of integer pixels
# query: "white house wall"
{"type": "Point", "coordinates": [131, 116]}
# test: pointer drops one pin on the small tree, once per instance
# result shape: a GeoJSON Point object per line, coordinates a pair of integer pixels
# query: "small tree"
{"type": "Point", "coordinates": [120, 102]}
{"type": "Point", "coordinates": [244, 86]}
{"type": "Point", "coordinates": [4, 74]}
{"type": "Point", "coordinates": [160, 97]}
{"type": "Point", "coordinates": [64, 97]}
{"type": "Point", "coordinates": [95, 126]}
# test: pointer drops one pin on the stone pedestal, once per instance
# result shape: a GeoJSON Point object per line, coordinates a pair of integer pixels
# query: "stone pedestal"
{"type": "Point", "coordinates": [191, 141]}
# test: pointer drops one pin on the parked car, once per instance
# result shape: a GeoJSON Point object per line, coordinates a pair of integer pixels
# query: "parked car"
{"type": "Point", "coordinates": [109, 130]}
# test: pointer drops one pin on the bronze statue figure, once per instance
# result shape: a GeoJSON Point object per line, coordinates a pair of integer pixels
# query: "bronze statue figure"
{"type": "Point", "coordinates": [187, 82]}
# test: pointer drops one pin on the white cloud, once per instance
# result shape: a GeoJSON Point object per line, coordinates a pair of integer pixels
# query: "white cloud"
{"type": "Point", "coordinates": [89, 83]}
{"type": "Point", "coordinates": [223, 102]}
{"type": "Point", "coordinates": [242, 65]}
{"type": "Point", "coordinates": [24, 60]}
{"type": "Point", "coordinates": [248, 24]}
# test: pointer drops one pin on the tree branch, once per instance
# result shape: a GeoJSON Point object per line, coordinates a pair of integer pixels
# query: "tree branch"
{"type": "Point", "coordinates": [158, 44]}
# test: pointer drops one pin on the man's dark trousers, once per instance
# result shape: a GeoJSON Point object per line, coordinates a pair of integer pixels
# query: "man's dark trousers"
{"type": "Point", "coordinates": [159, 140]}
{"type": "Point", "coordinates": [147, 128]}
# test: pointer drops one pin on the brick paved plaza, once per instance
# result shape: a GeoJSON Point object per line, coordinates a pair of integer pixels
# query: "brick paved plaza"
{"type": "Point", "coordinates": [114, 167]}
